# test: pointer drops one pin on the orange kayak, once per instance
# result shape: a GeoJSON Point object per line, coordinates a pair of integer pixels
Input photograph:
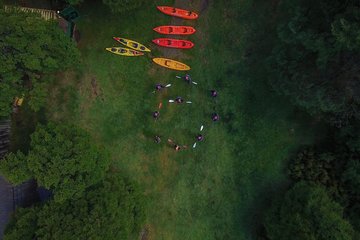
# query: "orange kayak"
{"type": "Point", "coordinates": [175, 30]}
{"type": "Point", "coordinates": [177, 12]}
{"type": "Point", "coordinates": [173, 43]}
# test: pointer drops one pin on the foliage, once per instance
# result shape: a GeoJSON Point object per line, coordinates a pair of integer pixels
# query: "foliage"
{"type": "Point", "coordinates": [307, 212]}
{"type": "Point", "coordinates": [38, 95]}
{"type": "Point", "coordinates": [23, 225]}
{"type": "Point", "coordinates": [7, 95]}
{"type": "Point", "coordinates": [322, 168]}
{"type": "Point", "coordinates": [14, 168]}
{"type": "Point", "coordinates": [74, 2]}
{"type": "Point", "coordinates": [119, 6]}
{"type": "Point", "coordinates": [351, 181]}
{"type": "Point", "coordinates": [315, 60]}
{"type": "Point", "coordinates": [61, 158]}
{"type": "Point", "coordinates": [337, 169]}
{"type": "Point", "coordinates": [30, 46]}
{"type": "Point", "coordinates": [112, 209]}
{"type": "Point", "coordinates": [351, 177]}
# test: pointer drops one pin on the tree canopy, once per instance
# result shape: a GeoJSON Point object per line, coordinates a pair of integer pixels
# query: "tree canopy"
{"type": "Point", "coordinates": [112, 209]}
{"type": "Point", "coordinates": [315, 58]}
{"type": "Point", "coordinates": [61, 158]}
{"type": "Point", "coordinates": [307, 213]}
{"type": "Point", "coordinates": [30, 47]}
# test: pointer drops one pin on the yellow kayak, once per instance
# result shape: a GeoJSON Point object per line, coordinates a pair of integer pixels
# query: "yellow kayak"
{"type": "Point", "coordinates": [124, 51]}
{"type": "Point", "coordinates": [132, 44]}
{"type": "Point", "coordinates": [172, 64]}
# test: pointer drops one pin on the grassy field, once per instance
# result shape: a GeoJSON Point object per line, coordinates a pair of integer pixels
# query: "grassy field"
{"type": "Point", "coordinates": [219, 189]}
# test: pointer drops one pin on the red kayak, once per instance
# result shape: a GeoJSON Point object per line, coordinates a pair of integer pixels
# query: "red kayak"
{"type": "Point", "coordinates": [177, 12]}
{"type": "Point", "coordinates": [173, 43]}
{"type": "Point", "coordinates": [175, 30]}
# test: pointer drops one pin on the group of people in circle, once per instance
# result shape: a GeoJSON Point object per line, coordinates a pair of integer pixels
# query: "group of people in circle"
{"type": "Point", "coordinates": [179, 100]}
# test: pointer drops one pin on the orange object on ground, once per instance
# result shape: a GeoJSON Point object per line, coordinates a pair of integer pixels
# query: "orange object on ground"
{"type": "Point", "coordinates": [173, 43]}
{"type": "Point", "coordinates": [177, 12]}
{"type": "Point", "coordinates": [175, 30]}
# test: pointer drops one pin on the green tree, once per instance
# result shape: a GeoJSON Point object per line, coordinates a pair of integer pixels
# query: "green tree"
{"type": "Point", "coordinates": [307, 213]}
{"type": "Point", "coordinates": [321, 168]}
{"type": "Point", "coordinates": [351, 177]}
{"type": "Point", "coordinates": [74, 2]}
{"type": "Point", "coordinates": [112, 209]}
{"type": "Point", "coordinates": [315, 59]}
{"type": "Point", "coordinates": [123, 5]}
{"type": "Point", "coordinates": [351, 180]}
{"type": "Point", "coordinates": [14, 168]}
{"type": "Point", "coordinates": [23, 224]}
{"type": "Point", "coordinates": [61, 158]}
{"type": "Point", "coordinates": [30, 47]}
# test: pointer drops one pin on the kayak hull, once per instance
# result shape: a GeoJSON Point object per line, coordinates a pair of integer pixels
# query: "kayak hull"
{"type": "Point", "coordinates": [178, 12]}
{"type": "Point", "coordinates": [175, 30]}
{"type": "Point", "coordinates": [171, 64]}
{"type": "Point", "coordinates": [173, 43]}
{"type": "Point", "coordinates": [124, 51]}
{"type": "Point", "coordinates": [132, 44]}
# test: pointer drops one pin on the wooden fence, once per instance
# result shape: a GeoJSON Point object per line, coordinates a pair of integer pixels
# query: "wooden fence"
{"type": "Point", "coordinates": [45, 13]}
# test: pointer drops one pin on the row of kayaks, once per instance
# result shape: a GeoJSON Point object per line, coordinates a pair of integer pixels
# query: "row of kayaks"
{"type": "Point", "coordinates": [134, 49]}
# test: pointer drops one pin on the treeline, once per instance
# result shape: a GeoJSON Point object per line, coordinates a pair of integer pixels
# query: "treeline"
{"type": "Point", "coordinates": [31, 50]}
{"type": "Point", "coordinates": [90, 199]}
{"type": "Point", "coordinates": [310, 52]}
{"type": "Point", "coordinates": [314, 60]}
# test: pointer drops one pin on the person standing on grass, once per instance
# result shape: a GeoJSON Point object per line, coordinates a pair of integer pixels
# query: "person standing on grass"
{"type": "Point", "coordinates": [199, 138]}
{"type": "Point", "coordinates": [215, 117]}
{"type": "Point", "coordinates": [179, 100]}
{"type": "Point", "coordinates": [159, 86]}
{"type": "Point", "coordinates": [157, 139]}
{"type": "Point", "coordinates": [156, 115]}
{"type": "Point", "coordinates": [187, 78]}
{"type": "Point", "coordinates": [213, 93]}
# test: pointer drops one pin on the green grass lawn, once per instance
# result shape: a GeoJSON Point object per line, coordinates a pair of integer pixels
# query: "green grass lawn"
{"type": "Point", "coordinates": [220, 189]}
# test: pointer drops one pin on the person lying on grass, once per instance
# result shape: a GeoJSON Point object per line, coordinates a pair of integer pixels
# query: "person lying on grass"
{"type": "Point", "coordinates": [176, 146]}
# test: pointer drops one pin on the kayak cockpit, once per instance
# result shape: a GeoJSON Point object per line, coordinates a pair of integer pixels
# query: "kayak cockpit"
{"type": "Point", "coordinates": [135, 45]}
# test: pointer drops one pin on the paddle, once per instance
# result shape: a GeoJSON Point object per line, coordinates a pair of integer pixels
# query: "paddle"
{"type": "Point", "coordinates": [191, 81]}
{"type": "Point", "coordinates": [201, 128]}
{"type": "Point", "coordinates": [166, 86]}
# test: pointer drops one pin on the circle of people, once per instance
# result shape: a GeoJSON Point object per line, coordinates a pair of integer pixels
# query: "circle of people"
{"type": "Point", "coordinates": [179, 100]}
